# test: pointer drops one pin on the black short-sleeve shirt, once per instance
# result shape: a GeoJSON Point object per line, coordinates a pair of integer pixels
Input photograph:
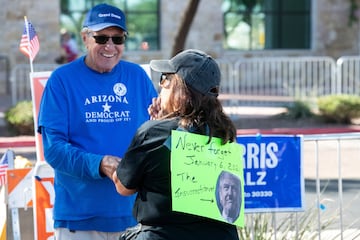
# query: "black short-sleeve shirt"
{"type": "Point", "coordinates": [146, 167]}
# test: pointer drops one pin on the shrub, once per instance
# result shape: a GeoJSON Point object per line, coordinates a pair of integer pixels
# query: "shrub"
{"type": "Point", "coordinates": [20, 118]}
{"type": "Point", "coordinates": [299, 110]}
{"type": "Point", "coordinates": [296, 225]}
{"type": "Point", "coordinates": [287, 225]}
{"type": "Point", "coordinates": [339, 108]}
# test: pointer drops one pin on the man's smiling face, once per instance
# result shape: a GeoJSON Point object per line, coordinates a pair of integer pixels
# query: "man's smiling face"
{"type": "Point", "coordinates": [103, 57]}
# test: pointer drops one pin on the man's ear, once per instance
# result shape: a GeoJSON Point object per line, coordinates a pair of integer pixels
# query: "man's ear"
{"type": "Point", "coordinates": [84, 37]}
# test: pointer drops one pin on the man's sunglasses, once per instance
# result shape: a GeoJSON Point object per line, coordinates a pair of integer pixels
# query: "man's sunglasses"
{"type": "Point", "coordinates": [103, 39]}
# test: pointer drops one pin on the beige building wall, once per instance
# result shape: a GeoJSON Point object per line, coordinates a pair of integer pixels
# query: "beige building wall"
{"type": "Point", "coordinates": [331, 34]}
{"type": "Point", "coordinates": [205, 32]}
{"type": "Point", "coordinates": [44, 15]}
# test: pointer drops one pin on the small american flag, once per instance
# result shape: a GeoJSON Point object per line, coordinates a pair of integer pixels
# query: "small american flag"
{"type": "Point", "coordinates": [29, 44]}
{"type": "Point", "coordinates": [4, 163]}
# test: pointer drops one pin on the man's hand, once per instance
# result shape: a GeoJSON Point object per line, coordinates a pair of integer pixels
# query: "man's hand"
{"type": "Point", "coordinates": [109, 164]}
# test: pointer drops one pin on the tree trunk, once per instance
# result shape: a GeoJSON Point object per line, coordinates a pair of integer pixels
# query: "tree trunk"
{"type": "Point", "coordinates": [185, 25]}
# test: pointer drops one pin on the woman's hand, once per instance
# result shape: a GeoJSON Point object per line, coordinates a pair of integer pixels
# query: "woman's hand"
{"type": "Point", "coordinates": [120, 188]}
{"type": "Point", "coordinates": [154, 108]}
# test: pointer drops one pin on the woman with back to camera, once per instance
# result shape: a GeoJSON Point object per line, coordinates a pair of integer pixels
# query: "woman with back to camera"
{"type": "Point", "coordinates": [188, 100]}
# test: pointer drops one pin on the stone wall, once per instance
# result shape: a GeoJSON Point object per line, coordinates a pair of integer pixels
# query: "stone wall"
{"type": "Point", "coordinates": [44, 15]}
{"type": "Point", "coordinates": [333, 34]}
{"type": "Point", "coordinates": [205, 32]}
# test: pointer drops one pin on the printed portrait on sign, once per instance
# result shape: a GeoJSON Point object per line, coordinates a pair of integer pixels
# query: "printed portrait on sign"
{"type": "Point", "coordinates": [228, 196]}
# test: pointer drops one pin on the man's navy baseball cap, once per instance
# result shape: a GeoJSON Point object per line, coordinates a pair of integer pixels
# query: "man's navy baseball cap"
{"type": "Point", "coordinates": [103, 16]}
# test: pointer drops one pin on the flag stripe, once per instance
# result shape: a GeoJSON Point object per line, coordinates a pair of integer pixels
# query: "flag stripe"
{"type": "Point", "coordinates": [32, 47]}
{"type": "Point", "coordinates": [4, 162]}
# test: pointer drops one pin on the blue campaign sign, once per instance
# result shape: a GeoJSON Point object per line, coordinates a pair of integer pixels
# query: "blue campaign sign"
{"type": "Point", "coordinates": [273, 176]}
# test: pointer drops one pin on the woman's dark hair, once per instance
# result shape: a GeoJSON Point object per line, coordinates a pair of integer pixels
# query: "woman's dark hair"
{"type": "Point", "coordinates": [202, 113]}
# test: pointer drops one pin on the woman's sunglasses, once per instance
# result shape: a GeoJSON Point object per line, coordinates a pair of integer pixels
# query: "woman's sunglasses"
{"type": "Point", "coordinates": [165, 79]}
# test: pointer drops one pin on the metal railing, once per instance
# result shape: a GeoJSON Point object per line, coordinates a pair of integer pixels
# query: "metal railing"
{"type": "Point", "coordinates": [348, 70]}
{"type": "Point", "coordinates": [4, 74]}
{"type": "Point", "coordinates": [273, 80]}
{"type": "Point", "coordinates": [20, 80]}
{"type": "Point", "coordinates": [331, 163]}
{"type": "Point", "coordinates": [267, 81]}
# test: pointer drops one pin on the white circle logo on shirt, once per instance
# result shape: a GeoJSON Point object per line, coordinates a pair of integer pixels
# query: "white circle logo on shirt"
{"type": "Point", "coordinates": [120, 89]}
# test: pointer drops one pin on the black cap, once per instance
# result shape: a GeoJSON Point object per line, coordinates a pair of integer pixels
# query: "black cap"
{"type": "Point", "coordinates": [199, 70]}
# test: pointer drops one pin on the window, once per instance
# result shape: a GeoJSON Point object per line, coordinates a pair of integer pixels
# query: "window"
{"type": "Point", "coordinates": [142, 18]}
{"type": "Point", "coordinates": [266, 24]}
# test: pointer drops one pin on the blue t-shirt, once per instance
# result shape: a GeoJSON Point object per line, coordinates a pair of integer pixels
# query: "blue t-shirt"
{"type": "Point", "coordinates": [83, 116]}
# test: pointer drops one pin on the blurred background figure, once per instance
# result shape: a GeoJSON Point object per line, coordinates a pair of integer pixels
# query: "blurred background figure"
{"type": "Point", "coordinates": [70, 50]}
{"type": "Point", "coordinates": [145, 46]}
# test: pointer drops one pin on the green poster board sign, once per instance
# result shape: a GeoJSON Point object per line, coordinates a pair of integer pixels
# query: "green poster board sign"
{"type": "Point", "coordinates": [207, 178]}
